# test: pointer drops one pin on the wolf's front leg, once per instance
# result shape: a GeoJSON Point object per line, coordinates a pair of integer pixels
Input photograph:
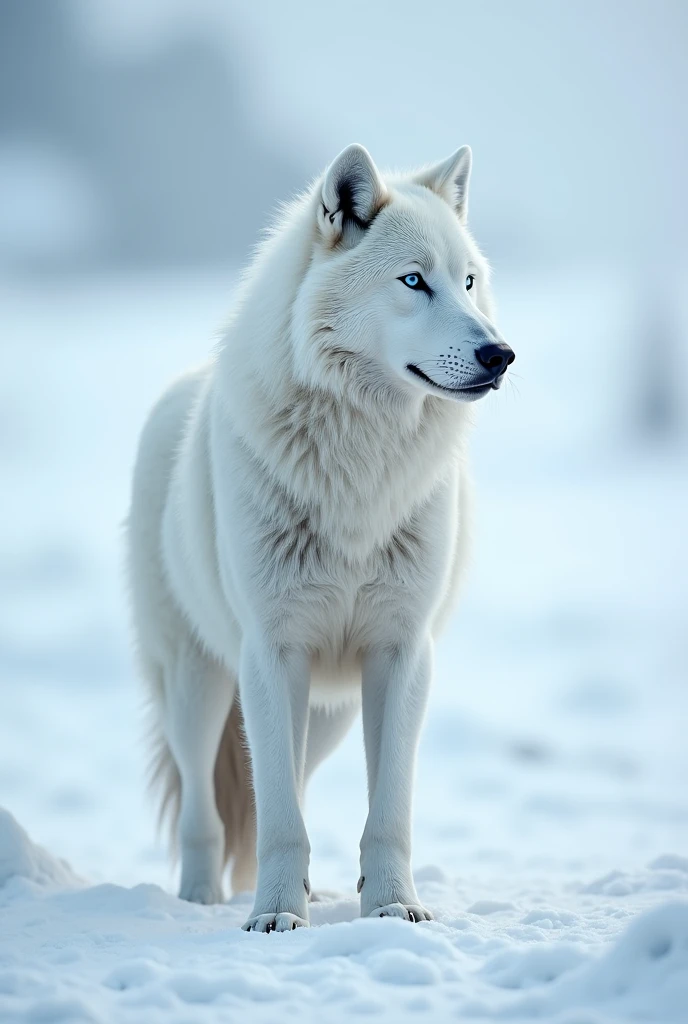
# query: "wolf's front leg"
{"type": "Point", "coordinates": [395, 686]}
{"type": "Point", "coordinates": [273, 686]}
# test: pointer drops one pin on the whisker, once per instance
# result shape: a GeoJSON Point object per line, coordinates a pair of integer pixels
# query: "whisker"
{"type": "Point", "coordinates": [514, 388]}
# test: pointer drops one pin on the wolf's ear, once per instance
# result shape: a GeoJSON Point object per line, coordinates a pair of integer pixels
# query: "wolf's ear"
{"type": "Point", "coordinates": [352, 193]}
{"type": "Point", "coordinates": [449, 179]}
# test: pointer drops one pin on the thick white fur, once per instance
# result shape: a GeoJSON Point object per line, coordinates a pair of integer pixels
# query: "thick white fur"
{"type": "Point", "coordinates": [298, 521]}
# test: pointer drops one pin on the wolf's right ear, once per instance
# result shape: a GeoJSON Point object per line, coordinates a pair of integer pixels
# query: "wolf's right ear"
{"type": "Point", "coordinates": [352, 194]}
{"type": "Point", "coordinates": [449, 179]}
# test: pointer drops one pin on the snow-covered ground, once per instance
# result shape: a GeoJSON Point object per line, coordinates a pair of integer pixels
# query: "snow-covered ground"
{"type": "Point", "coordinates": [551, 825]}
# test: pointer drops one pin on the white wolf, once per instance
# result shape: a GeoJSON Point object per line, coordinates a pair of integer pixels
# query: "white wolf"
{"type": "Point", "coordinates": [297, 528]}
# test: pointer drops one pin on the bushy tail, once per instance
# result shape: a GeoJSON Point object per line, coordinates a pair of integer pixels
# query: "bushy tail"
{"type": "Point", "coordinates": [233, 796]}
{"type": "Point", "coordinates": [236, 802]}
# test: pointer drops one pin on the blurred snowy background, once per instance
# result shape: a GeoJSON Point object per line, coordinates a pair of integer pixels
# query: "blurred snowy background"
{"type": "Point", "coordinates": [142, 148]}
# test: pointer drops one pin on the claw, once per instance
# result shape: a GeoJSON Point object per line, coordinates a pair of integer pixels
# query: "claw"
{"type": "Point", "coordinates": [414, 913]}
{"type": "Point", "coordinates": [279, 922]}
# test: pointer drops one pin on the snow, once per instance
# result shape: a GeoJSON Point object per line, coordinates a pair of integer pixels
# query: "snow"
{"type": "Point", "coordinates": [107, 953]}
{"type": "Point", "coordinates": [22, 859]}
{"type": "Point", "coordinates": [551, 824]}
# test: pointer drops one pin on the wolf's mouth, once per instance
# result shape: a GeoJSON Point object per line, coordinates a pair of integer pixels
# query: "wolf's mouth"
{"type": "Point", "coordinates": [474, 390]}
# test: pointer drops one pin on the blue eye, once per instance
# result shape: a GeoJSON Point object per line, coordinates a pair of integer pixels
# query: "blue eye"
{"type": "Point", "coordinates": [414, 281]}
{"type": "Point", "coordinates": [470, 280]}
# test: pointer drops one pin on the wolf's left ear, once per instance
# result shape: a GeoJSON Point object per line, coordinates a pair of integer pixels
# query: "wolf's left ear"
{"type": "Point", "coordinates": [352, 193]}
{"type": "Point", "coordinates": [449, 179]}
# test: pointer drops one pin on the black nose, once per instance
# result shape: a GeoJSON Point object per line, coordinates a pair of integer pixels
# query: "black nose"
{"type": "Point", "coordinates": [495, 357]}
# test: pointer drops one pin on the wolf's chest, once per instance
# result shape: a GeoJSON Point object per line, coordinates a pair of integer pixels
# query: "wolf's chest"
{"type": "Point", "coordinates": [339, 606]}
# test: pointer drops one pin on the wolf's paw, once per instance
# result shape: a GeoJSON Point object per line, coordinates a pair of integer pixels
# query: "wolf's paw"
{"type": "Point", "coordinates": [274, 923]}
{"type": "Point", "coordinates": [409, 912]}
{"type": "Point", "coordinates": [386, 886]}
{"type": "Point", "coordinates": [202, 864]}
{"type": "Point", "coordinates": [201, 892]}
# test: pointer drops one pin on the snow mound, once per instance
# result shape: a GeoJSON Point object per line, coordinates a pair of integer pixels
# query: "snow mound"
{"type": "Point", "coordinates": [525, 969]}
{"type": "Point", "coordinates": [644, 976]}
{"type": "Point", "coordinates": [665, 873]}
{"type": "Point", "coordinates": [367, 936]}
{"type": "Point", "coordinates": [20, 858]}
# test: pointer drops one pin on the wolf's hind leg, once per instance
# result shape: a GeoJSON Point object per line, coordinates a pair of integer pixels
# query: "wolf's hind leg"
{"type": "Point", "coordinates": [327, 727]}
{"type": "Point", "coordinates": [198, 696]}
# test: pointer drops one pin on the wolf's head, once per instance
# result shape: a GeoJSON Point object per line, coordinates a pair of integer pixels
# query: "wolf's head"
{"type": "Point", "coordinates": [396, 295]}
